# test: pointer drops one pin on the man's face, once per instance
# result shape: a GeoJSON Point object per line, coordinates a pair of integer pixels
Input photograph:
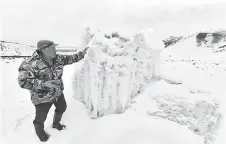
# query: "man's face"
{"type": "Point", "coordinates": [50, 52]}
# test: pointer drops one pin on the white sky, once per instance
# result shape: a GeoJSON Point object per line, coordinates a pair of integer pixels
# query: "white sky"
{"type": "Point", "coordinates": [62, 21]}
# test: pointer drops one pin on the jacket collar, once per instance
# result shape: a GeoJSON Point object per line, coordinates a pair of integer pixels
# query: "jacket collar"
{"type": "Point", "coordinates": [38, 55]}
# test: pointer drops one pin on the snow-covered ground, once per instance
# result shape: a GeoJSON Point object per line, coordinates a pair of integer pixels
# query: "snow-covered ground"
{"type": "Point", "coordinates": [164, 113]}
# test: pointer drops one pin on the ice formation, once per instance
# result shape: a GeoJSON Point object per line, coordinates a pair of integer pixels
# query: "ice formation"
{"type": "Point", "coordinates": [116, 69]}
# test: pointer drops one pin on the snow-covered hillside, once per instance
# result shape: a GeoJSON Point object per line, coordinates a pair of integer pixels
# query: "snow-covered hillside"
{"type": "Point", "coordinates": [202, 73]}
{"type": "Point", "coordinates": [185, 106]}
{"type": "Point", "coordinates": [15, 49]}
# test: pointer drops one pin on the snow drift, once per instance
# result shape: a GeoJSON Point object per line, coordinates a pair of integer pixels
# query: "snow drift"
{"type": "Point", "coordinates": [115, 61]}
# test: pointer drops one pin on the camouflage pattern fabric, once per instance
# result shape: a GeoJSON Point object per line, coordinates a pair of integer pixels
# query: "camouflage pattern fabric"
{"type": "Point", "coordinates": [35, 71]}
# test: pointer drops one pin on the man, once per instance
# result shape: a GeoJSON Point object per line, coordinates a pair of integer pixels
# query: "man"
{"type": "Point", "coordinates": [42, 74]}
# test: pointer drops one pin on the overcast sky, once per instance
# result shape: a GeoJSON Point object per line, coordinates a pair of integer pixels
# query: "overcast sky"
{"type": "Point", "coordinates": [27, 21]}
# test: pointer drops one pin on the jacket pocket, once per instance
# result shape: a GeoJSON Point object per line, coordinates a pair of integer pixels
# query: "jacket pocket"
{"type": "Point", "coordinates": [42, 93]}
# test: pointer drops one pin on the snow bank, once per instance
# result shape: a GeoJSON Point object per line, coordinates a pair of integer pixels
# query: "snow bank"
{"type": "Point", "coordinates": [116, 69]}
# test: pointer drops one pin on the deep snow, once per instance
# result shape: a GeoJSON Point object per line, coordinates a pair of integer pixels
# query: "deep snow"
{"type": "Point", "coordinates": [130, 127]}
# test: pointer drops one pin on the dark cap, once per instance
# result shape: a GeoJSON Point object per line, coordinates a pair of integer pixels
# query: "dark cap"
{"type": "Point", "coordinates": [45, 43]}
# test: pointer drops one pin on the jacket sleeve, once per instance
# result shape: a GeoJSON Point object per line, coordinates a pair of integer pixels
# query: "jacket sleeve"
{"type": "Point", "coordinates": [70, 59]}
{"type": "Point", "coordinates": [28, 80]}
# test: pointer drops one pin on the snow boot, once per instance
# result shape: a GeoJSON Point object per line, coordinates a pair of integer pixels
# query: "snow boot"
{"type": "Point", "coordinates": [39, 129]}
{"type": "Point", "coordinates": [56, 122]}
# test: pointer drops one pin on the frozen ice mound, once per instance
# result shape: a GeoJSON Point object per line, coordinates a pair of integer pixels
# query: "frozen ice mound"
{"type": "Point", "coordinates": [116, 68]}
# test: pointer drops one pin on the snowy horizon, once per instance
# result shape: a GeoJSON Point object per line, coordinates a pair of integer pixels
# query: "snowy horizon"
{"type": "Point", "coordinates": [27, 21]}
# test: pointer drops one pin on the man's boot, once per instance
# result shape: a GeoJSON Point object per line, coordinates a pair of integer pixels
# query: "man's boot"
{"type": "Point", "coordinates": [39, 129]}
{"type": "Point", "coordinates": [56, 121]}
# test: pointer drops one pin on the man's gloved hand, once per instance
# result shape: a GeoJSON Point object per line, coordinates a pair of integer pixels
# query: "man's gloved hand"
{"type": "Point", "coordinates": [80, 55]}
{"type": "Point", "coordinates": [85, 51]}
{"type": "Point", "coordinates": [52, 84]}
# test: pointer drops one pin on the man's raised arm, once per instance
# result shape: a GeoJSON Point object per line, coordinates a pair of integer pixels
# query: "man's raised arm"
{"type": "Point", "coordinates": [70, 59]}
